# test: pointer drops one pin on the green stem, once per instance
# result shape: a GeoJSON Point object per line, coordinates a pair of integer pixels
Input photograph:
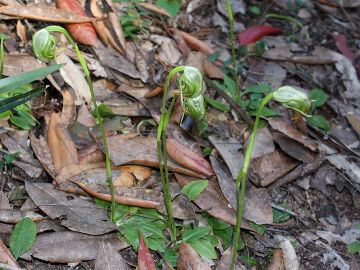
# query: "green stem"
{"type": "Point", "coordinates": [232, 42]}
{"type": "Point", "coordinates": [161, 149]}
{"type": "Point", "coordinates": [242, 177]}
{"type": "Point", "coordinates": [98, 117]}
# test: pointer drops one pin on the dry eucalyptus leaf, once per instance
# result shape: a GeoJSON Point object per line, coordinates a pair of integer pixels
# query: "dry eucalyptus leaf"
{"type": "Point", "coordinates": [81, 215]}
{"type": "Point", "coordinates": [189, 259]}
{"type": "Point", "coordinates": [108, 258]}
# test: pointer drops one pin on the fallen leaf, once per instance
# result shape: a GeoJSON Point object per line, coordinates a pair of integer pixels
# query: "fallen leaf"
{"type": "Point", "coordinates": [195, 43]}
{"type": "Point", "coordinates": [255, 33]}
{"type": "Point", "coordinates": [212, 201]}
{"type": "Point", "coordinates": [16, 142]}
{"type": "Point", "coordinates": [21, 31]}
{"type": "Point", "coordinates": [225, 261]}
{"type": "Point", "coordinates": [341, 4]}
{"type": "Point", "coordinates": [155, 9]}
{"type": "Point", "coordinates": [257, 205]}
{"type": "Point", "coordinates": [291, 132]}
{"type": "Point", "coordinates": [145, 261]}
{"type": "Point", "coordinates": [267, 169]}
{"type": "Point", "coordinates": [67, 247]}
{"type": "Point", "coordinates": [73, 76]}
{"type": "Point", "coordinates": [108, 258]}
{"type": "Point", "coordinates": [350, 168]}
{"type": "Point", "coordinates": [140, 172]}
{"type": "Point", "coordinates": [342, 45]}
{"type": "Point", "coordinates": [263, 144]}
{"type": "Point", "coordinates": [290, 259]}
{"type": "Point", "coordinates": [277, 261]}
{"type": "Point", "coordinates": [16, 63]}
{"type": "Point", "coordinates": [14, 216]}
{"type": "Point", "coordinates": [293, 148]}
{"type": "Point", "coordinates": [230, 151]}
{"type": "Point", "coordinates": [4, 201]}
{"type": "Point", "coordinates": [81, 215]}
{"type": "Point", "coordinates": [354, 121]}
{"type": "Point", "coordinates": [122, 152]}
{"type": "Point", "coordinates": [83, 33]}
{"type": "Point", "coordinates": [47, 14]}
{"type": "Point", "coordinates": [6, 256]}
{"type": "Point", "coordinates": [189, 259]}
{"type": "Point", "coordinates": [188, 158]}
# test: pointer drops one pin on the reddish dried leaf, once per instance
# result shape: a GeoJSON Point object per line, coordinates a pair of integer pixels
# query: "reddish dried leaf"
{"type": "Point", "coordinates": [196, 44]}
{"type": "Point", "coordinates": [187, 158]}
{"type": "Point", "coordinates": [277, 261]}
{"type": "Point", "coordinates": [83, 33]}
{"type": "Point", "coordinates": [190, 260]}
{"type": "Point", "coordinates": [342, 45]}
{"type": "Point", "coordinates": [145, 261]}
{"type": "Point", "coordinates": [256, 32]}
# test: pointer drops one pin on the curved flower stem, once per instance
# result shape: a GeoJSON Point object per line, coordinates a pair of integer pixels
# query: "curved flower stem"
{"type": "Point", "coordinates": [98, 117]}
{"type": "Point", "coordinates": [242, 177]}
{"type": "Point", "coordinates": [161, 149]}
{"type": "Point", "coordinates": [232, 40]}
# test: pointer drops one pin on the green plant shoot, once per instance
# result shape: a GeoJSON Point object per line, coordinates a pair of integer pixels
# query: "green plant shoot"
{"type": "Point", "coordinates": [44, 47]}
{"type": "Point", "coordinates": [290, 98]}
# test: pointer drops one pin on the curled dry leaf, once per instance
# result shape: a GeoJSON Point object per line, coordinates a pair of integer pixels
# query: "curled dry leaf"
{"type": "Point", "coordinates": [155, 9]}
{"type": "Point", "coordinates": [255, 33]}
{"type": "Point", "coordinates": [145, 261]}
{"type": "Point", "coordinates": [122, 152]}
{"type": "Point", "coordinates": [187, 158]}
{"type": "Point", "coordinates": [195, 43]}
{"type": "Point", "coordinates": [140, 172]}
{"type": "Point", "coordinates": [83, 33]}
{"type": "Point", "coordinates": [129, 196]}
{"type": "Point", "coordinates": [189, 259]}
{"type": "Point", "coordinates": [47, 14]}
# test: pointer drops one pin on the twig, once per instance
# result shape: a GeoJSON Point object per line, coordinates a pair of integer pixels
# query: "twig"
{"type": "Point", "coordinates": [283, 209]}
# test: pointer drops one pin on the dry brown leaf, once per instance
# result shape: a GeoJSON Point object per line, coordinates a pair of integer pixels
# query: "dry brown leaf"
{"type": "Point", "coordinates": [42, 13]}
{"type": "Point", "coordinates": [140, 172]}
{"type": "Point", "coordinates": [108, 258]}
{"type": "Point", "coordinates": [21, 31]}
{"type": "Point", "coordinates": [6, 257]}
{"type": "Point", "coordinates": [196, 44]}
{"type": "Point", "coordinates": [122, 152]}
{"type": "Point", "coordinates": [267, 169]}
{"type": "Point", "coordinates": [16, 63]}
{"type": "Point", "coordinates": [14, 216]}
{"type": "Point", "coordinates": [212, 201]}
{"type": "Point", "coordinates": [155, 9]}
{"type": "Point", "coordinates": [354, 121]}
{"type": "Point", "coordinates": [288, 130]}
{"type": "Point", "coordinates": [277, 261]}
{"type": "Point", "coordinates": [225, 261]}
{"type": "Point", "coordinates": [81, 215]}
{"type": "Point", "coordinates": [257, 206]}
{"type": "Point", "coordinates": [190, 260]}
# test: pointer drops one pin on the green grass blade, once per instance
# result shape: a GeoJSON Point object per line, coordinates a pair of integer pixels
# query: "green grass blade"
{"type": "Point", "coordinates": [12, 102]}
{"type": "Point", "coordinates": [16, 81]}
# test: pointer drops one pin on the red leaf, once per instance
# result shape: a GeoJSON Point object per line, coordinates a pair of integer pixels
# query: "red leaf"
{"type": "Point", "coordinates": [341, 44]}
{"type": "Point", "coordinates": [145, 261]}
{"type": "Point", "coordinates": [187, 158]}
{"type": "Point", "coordinates": [83, 33]}
{"type": "Point", "coordinates": [256, 32]}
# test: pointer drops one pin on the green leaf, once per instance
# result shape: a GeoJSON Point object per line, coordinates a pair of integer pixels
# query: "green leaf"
{"type": "Point", "coordinates": [16, 81]}
{"type": "Point", "coordinates": [132, 236]}
{"type": "Point", "coordinates": [266, 112]}
{"type": "Point", "coordinates": [214, 56]}
{"type": "Point", "coordinates": [204, 248]}
{"type": "Point", "coordinates": [217, 104]}
{"type": "Point", "coordinates": [102, 203]}
{"type": "Point", "coordinates": [171, 6]}
{"type": "Point", "coordinates": [155, 244]}
{"type": "Point", "coordinates": [192, 235]}
{"type": "Point", "coordinates": [261, 88]}
{"type": "Point", "coordinates": [171, 256]}
{"type": "Point", "coordinates": [259, 228]}
{"type": "Point", "coordinates": [319, 121]}
{"type": "Point", "coordinates": [318, 98]}
{"type": "Point", "coordinates": [357, 226]}
{"type": "Point", "coordinates": [248, 260]}
{"type": "Point", "coordinates": [216, 223]}
{"type": "Point", "coordinates": [280, 216]}
{"type": "Point", "coordinates": [12, 102]}
{"type": "Point", "coordinates": [194, 188]}
{"type": "Point", "coordinates": [230, 86]}
{"type": "Point", "coordinates": [105, 111]}
{"type": "Point", "coordinates": [255, 10]}
{"type": "Point", "coordinates": [207, 151]}
{"type": "Point", "coordinates": [9, 158]}
{"type": "Point", "coordinates": [354, 247]}
{"type": "Point", "coordinates": [22, 237]}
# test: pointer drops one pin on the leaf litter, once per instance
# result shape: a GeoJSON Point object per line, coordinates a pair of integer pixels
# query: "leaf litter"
{"type": "Point", "coordinates": [129, 77]}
